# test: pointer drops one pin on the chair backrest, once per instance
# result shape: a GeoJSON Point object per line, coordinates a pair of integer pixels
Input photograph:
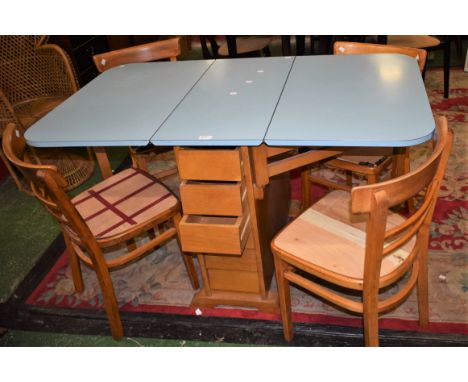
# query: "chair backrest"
{"type": "Point", "coordinates": [49, 187]}
{"type": "Point", "coordinates": [31, 69]}
{"type": "Point", "coordinates": [153, 51]}
{"type": "Point", "coordinates": [346, 47]}
{"type": "Point", "coordinates": [376, 199]}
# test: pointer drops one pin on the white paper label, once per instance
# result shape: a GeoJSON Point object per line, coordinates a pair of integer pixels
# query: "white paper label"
{"type": "Point", "coordinates": [205, 137]}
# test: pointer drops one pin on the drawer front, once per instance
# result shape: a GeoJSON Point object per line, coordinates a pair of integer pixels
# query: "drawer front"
{"type": "Point", "coordinates": [218, 165]}
{"type": "Point", "coordinates": [236, 281]}
{"type": "Point", "coordinates": [246, 262]}
{"type": "Point", "coordinates": [213, 234]}
{"type": "Point", "coordinates": [212, 199]}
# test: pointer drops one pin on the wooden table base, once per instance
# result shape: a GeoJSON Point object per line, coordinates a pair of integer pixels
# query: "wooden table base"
{"type": "Point", "coordinates": [217, 298]}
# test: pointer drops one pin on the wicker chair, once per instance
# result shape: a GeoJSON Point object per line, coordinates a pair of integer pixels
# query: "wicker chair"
{"type": "Point", "coordinates": [35, 77]}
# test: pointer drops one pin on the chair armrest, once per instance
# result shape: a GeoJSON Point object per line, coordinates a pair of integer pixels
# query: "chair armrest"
{"type": "Point", "coordinates": [7, 113]}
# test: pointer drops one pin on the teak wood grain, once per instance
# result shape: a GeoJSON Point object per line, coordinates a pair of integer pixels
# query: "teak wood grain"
{"type": "Point", "coordinates": [203, 198]}
{"type": "Point", "coordinates": [214, 234]}
{"type": "Point", "coordinates": [215, 165]}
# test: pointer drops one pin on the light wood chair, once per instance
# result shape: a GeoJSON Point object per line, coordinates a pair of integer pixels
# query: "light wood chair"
{"type": "Point", "coordinates": [354, 242]}
{"type": "Point", "coordinates": [369, 162]}
{"type": "Point", "coordinates": [153, 51]}
{"type": "Point", "coordinates": [110, 214]}
{"type": "Point", "coordinates": [35, 77]}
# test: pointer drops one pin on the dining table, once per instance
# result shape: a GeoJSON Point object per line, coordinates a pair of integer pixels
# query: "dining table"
{"type": "Point", "coordinates": [238, 127]}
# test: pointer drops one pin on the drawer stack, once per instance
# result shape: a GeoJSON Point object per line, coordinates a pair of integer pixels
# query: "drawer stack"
{"type": "Point", "coordinates": [217, 222]}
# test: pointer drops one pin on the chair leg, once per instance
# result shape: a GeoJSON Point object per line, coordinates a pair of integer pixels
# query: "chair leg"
{"type": "Point", "coordinates": [138, 160]}
{"type": "Point", "coordinates": [74, 265]}
{"type": "Point", "coordinates": [372, 179]}
{"type": "Point", "coordinates": [188, 259]}
{"type": "Point", "coordinates": [305, 185]}
{"type": "Point", "coordinates": [371, 325]}
{"type": "Point", "coordinates": [11, 170]}
{"type": "Point", "coordinates": [284, 294]}
{"type": "Point", "coordinates": [447, 67]}
{"type": "Point", "coordinates": [371, 315]}
{"type": "Point", "coordinates": [349, 178]}
{"type": "Point", "coordinates": [423, 282]}
{"type": "Point", "coordinates": [110, 302]}
{"type": "Point", "coordinates": [406, 170]}
{"type": "Point", "coordinates": [286, 45]}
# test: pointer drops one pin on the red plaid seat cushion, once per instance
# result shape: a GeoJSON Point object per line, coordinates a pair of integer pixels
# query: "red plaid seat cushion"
{"type": "Point", "coordinates": [124, 200]}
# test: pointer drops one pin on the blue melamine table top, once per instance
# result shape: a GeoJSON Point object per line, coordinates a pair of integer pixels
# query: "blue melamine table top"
{"type": "Point", "coordinates": [122, 106]}
{"type": "Point", "coordinates": [352, 100]}
{"type": "Point", "coordinates": [232, 105]}
{"type": "Point", "coordinates": [342, 100]}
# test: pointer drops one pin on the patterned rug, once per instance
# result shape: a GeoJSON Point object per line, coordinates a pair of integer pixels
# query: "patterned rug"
{"type": "Point", "coordinates": [158, 282]}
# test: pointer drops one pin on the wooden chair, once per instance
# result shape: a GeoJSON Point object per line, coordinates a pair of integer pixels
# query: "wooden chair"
{"type": "Point", "coordinates": [35, 77]}
{"type": "Point", "coordinates": [369, 162]}
{"type": "Point", "coordinates": [113, 212]}
{"type": "Point", "coordinates": [235, 46]}
{"type": "Point", "coordinates": [354, 242]}
{"type": "Point", "coordinates": [153, 51]}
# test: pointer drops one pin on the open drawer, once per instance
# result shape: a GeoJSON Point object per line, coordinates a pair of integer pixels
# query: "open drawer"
{"type": "Point", "coordinates": [214, 234]}
{"type": "Point", "coordinates": [204, 198]}
{"type": "Point", "coordinates": [214, 164]}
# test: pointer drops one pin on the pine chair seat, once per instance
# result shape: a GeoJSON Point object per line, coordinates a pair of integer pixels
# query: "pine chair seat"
{"type": "Point", "coordinates": [370, 161]}
{"type": "Point", "coordinates": [367, 160]}
{"type": "Point", "coordinates": [31, 111]}
{"type": "Point", "coordinates": [355, 241]}
{"type": "Point", "coordinates": [330, 221]}
{"type": "Point", "coordinates": [373, 155]}
{"type": "Point", "coordinates": [123, 203]}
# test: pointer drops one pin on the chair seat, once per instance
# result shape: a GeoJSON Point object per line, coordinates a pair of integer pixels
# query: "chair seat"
{"type": "Point", "coordinates": [367, 161]}
{"type": "Point", "coordinates": [329, 237]}
{"type": "Point", "coordinates": [31, 111]}
{"type": "Point", "coordinates": [124, 202]}
{"type": "Point", "coordinates": [246, 45]}
{"type": "Point", "coordinates": [365, 156]}
{"type": "Point", "coordinates": [413, 41]}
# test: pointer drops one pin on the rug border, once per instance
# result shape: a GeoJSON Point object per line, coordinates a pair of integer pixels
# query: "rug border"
{"type": "Point", "coordinates": [316, 332]}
